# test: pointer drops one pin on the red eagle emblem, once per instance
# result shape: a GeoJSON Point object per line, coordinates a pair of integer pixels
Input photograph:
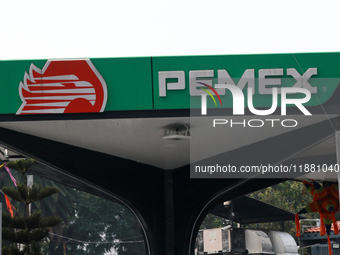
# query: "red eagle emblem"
{"type": "Point", "coordinates": [62, 86]}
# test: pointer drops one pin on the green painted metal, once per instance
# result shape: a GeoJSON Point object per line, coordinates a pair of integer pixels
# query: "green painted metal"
{"type": "Point", "coordinates": [133, 84]}
{"type": "Point", "coordinates": [326, 80]}
{"type": "Point", "coordinates": [128, 82]}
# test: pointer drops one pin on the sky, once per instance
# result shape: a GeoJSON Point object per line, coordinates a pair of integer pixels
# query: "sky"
{"type": "Point", "coordinates": [93, 29]}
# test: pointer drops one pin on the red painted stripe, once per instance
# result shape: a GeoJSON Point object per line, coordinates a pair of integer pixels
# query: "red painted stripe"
{"type": "Point", "coordinates": [30, 113]}
{"type": "Point", "coordinates": [29, 108]}
{"type": "Point", "coordinates": [39, 81]}
{"type": "Point", "coordinates": [42, 101]}
{"type": "Point", "coordinates": [27, 94]}
{"type": "Point", "coordinates": [55, 88]}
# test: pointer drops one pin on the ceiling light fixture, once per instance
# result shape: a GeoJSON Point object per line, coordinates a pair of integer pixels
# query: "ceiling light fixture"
{"type": "Point", "coordinates": [177, 132]}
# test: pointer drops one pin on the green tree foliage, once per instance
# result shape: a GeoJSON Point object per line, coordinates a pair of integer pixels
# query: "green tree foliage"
{"type": "Point", "coordinates": [213, 221]}
{"type": "Point", "coordinates": [289, 196]}
{"type": "Point", "coordinates": [103, 225]}
{"type": "Point", "coordinates": [59, 204]}
{"type": "Point", "coordinates": [91, 225]}
{"type": "Point", "coordinates": [25, 228]}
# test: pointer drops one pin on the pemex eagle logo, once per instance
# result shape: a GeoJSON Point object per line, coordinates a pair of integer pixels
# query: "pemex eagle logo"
{"type": "Point", "coordinates": [62, 86]}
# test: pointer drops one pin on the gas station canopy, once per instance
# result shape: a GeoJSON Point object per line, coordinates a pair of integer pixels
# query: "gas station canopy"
{"type": "Point", "coordinates": [171, 137]}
